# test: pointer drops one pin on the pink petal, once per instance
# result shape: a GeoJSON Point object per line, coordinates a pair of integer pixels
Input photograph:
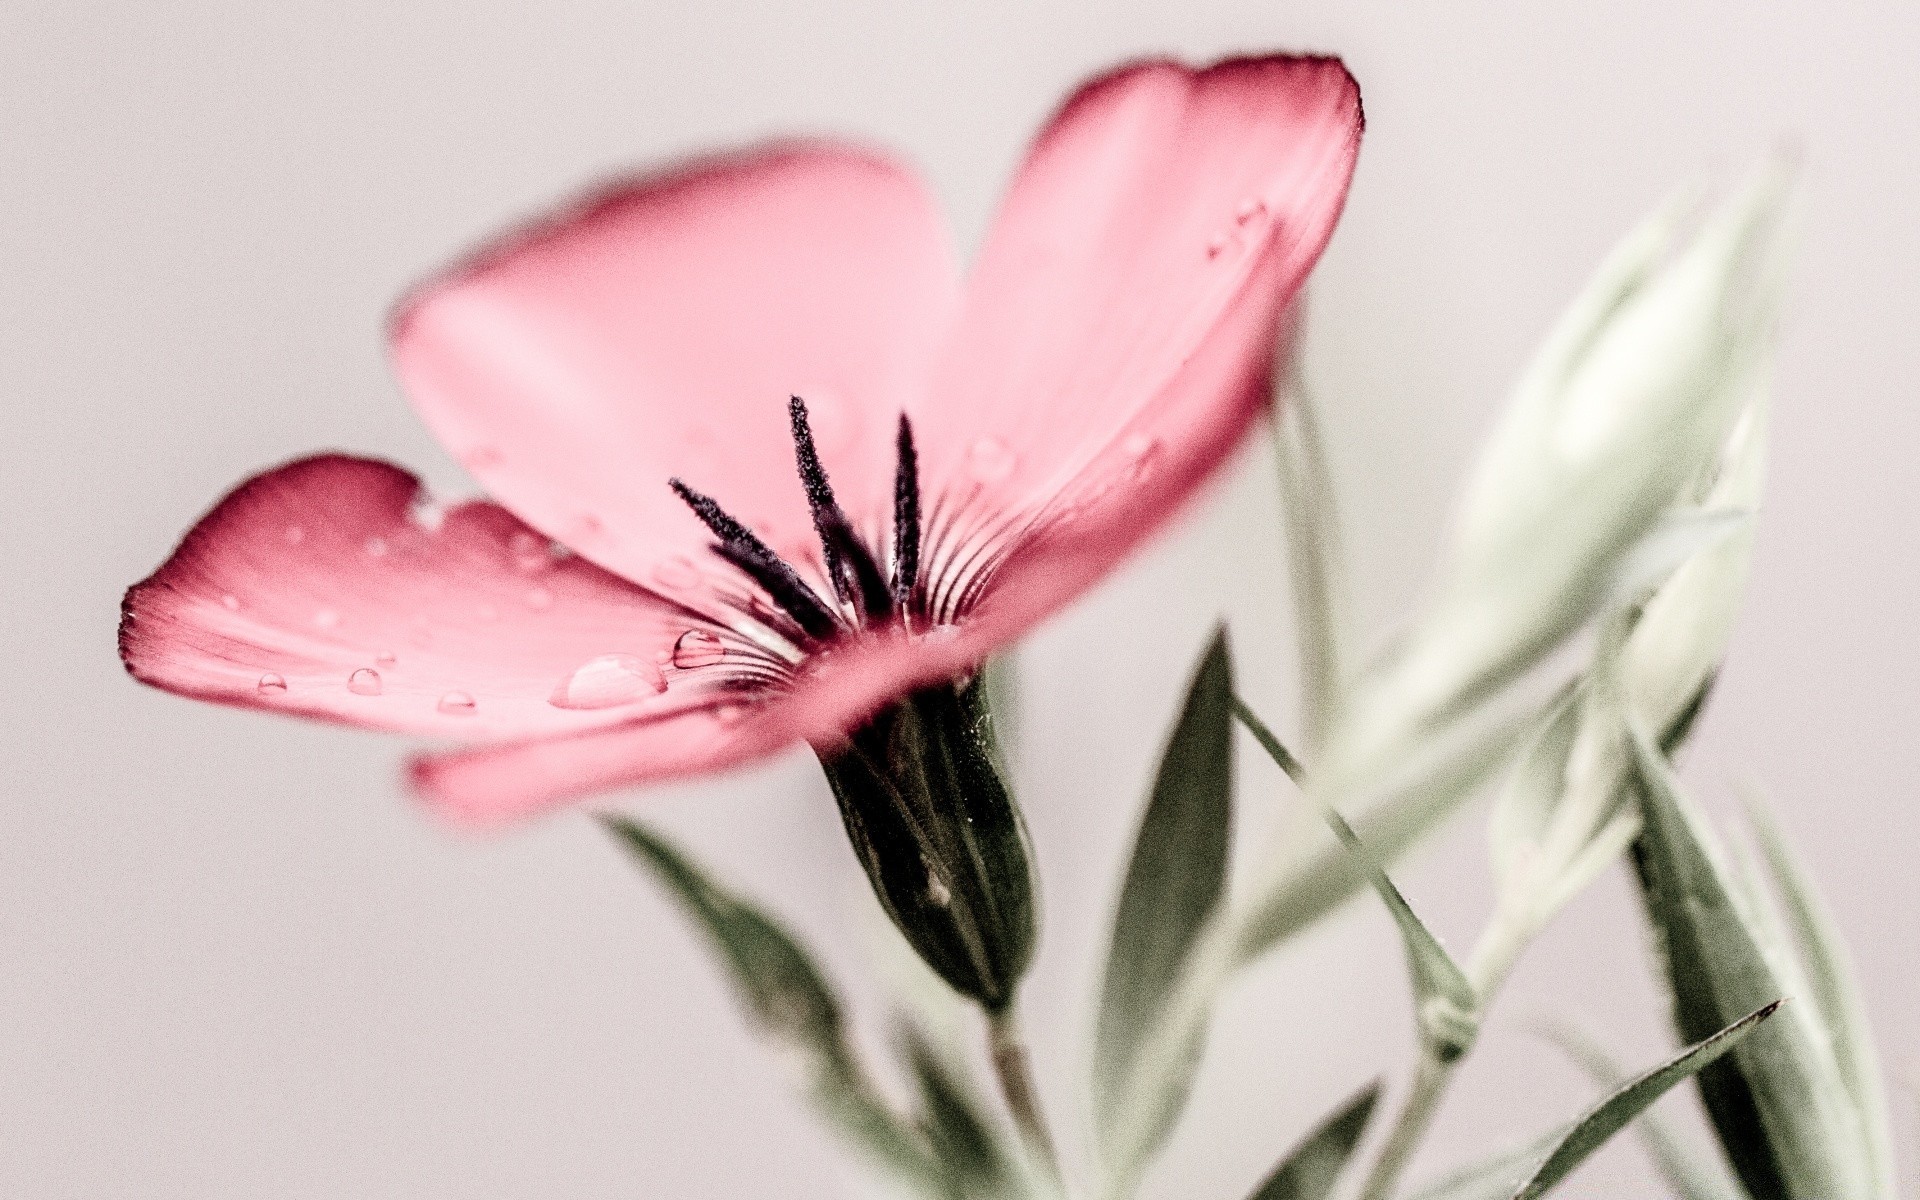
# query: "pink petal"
{"type": "Point", "coordinates": [658, 329]}
{"type": "Point", "coordinates": [324, 588]}
{"type": "Point", "coordinates": [1121, 324]}
{"type": "Point", "coordinates": [493, 784]}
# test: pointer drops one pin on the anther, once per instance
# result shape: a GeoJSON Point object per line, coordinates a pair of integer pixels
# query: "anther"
{"type": "Point", "coordinates": [781, 582]}
{"type": "Point", "coordinates": [826, 510]}
{"type": "Point", "coordinates": [906, 517]}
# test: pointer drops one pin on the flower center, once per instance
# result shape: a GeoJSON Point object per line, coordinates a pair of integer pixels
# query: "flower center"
{"type": "Point", "coordinates": [863, 595]}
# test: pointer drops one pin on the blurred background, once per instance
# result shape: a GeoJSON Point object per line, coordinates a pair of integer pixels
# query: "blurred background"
{"type": "Point", "coordinates": [236, 961]}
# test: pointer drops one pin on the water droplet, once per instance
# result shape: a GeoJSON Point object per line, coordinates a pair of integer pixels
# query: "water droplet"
{"type": "Point", "coordinates": [697, 648]}
{"type": "Point", "coordinates": [294, 535]}
{"type": "Point", "coordinates": [531, 553]}
{"type": "Point", "coordinates": [376, 547]}
{"type": "Point", "coordinates": [272, 682]}
{"type": "Point", "coordinates": [230, 602]}
{"type": "Point", "coordinates": [1216, 244]}
{"type": "Point", "coordinates": [590, 527]}
{"type": "Point", "coordinates": [457, 704]}
{"type": "Point", "coordinates": [1249, 208]}
{"type": "Point", "coordinates": [608, 682]}
{"type": "Point", "coordinates": [385, 658]}
{"type": "Point", "coordinates": [990, 460]}
{"type": "Point", "coordinates": [481, 458]}
{"type": "Point", "coordinates": [539, 599]}
{"type": "Point", "coordinates": [326, 618]}
{"type": "Point", "coordinates": [729, 714]}
{"type": "Point", "coordinates": [676, 574]}
{"type": "Point", "coordinates": [364, 682]}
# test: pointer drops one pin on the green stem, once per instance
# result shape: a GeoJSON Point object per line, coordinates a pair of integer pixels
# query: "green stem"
{"type": "Point", "coordinates": [1493, 957]}
{"type": "Point", "coordinates": [1007, 1044]}
{"type": "Point", "coordinates": [1430, 1080]}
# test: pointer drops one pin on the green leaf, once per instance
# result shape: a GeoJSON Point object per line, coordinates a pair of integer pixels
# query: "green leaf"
{"type": "Point", "coordinates": [966, 1143]}
{"type": "Point", "coordinates": [1314, 557]}
{"type": "Point", "coordinates": [1612, 1114]}
{"type": "Point", "coordinates": [785, 996]}
{"type": "Point", "coordinates": [1174, 884]}
{"type": "Point", "coordinates": [1778, 1107]}
{"type": "Point", "coordinates": [1311, 1169]}
{"type": "Point", "coordinates": [1448, 1007]}
{"type": "Point", "coordinates": [1829, 973]}
{"type": "Point", "coordinates": [1690, 1172]}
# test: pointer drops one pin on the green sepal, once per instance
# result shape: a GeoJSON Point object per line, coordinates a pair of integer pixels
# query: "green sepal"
{"type": "Point", "coordinates": [940, 837]}
{"type": "Point", "coordinates": [1311, 1169]}
{"type": "Point", "coordinates": [1175, 883]}
{"type": "Point", "coordinates": [785, 996]}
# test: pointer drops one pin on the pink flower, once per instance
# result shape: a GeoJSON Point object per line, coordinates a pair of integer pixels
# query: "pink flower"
{"type": "Point", "coordinates": [976, 454]}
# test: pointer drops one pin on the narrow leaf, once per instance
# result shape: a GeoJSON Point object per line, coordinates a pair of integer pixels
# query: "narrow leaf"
{"type": "Point", "coordinates": [1313, 1167]}
{"type": "Point", "coordinates": [1301, 893]}
{"type": "Point", "coordinates": [1611, 1115]}
{"type": "Point", "coordinates": [1692, 1173]}
{"type": "Point", "coordinates": [785, 996]}
{"type": "Point", "coordinates": [1447, 1004]}
{"type": "Point", "coordinates": [1830, 977]}
{"type": "Point", "coordinates": [1174, 883]}
{"type": "Point", "coordinates": [1314, 557]}
{"type": "Point", "coordinates": [1778, 1107]}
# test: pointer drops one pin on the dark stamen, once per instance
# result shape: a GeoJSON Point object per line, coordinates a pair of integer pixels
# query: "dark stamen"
{"type": "Point", "coordinates": [906, 517]}
{"type": "Point", "coordinates": [713, 516]}
{"type": "Point", "coordinates": [781, 583]}
{"type": "Point", "coordinates": [820, 499]}
{"type": "Point", "coordinates": [739, 546]}
{"type": "Point", "coordinates": [876, 601]}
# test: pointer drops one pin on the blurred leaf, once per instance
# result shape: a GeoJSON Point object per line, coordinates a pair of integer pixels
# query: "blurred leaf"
{"type": "Point", "coordinates": [1684, 532]}
{"type": "Point", "coordinates": [1311, 1169]}
{"type": "Point", "coordinates": [1174, 884]}
{"type": "Point", "coordinates": [1611, 1115]}
{"type": "Point", "coordinates": [1523, 809]}
{"type": "Point", "coordinates": [1778, 1107]}
{"type": "Point", "coordinates": [1682, 632]}
{"type": "Point", "coordinates": [1448, 1008]}
{"type": "Point", "coordinates": [785, 996]}
{"type": "Point", "coordinates": [1314, 556]}
{"type": "Point", "coordinates": [1692, 1173]}
{"type": "Point", "coordinates": [963, 1140]}
{"type": "Point", "coordinates": [1830, 977]}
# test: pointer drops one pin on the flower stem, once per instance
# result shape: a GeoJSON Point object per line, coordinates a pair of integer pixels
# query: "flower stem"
{"type": "Point", "coordinates": [1422, 1104]}
{"type": "Point", "coordinates": [1007, 1043]}
{"type": "Point", "coordinates": [1499, 947]}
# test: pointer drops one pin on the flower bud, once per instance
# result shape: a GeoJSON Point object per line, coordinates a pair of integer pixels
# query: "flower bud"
{"type": "Point", "coordinates": [940, 837]}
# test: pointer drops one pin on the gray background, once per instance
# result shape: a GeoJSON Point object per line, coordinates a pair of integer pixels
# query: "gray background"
{"type": "Point", "coordinates": [235, 961]}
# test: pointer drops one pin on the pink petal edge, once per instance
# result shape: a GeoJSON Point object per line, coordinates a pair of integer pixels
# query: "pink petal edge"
{"type": "Point", "coordinates": [326, 588]}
